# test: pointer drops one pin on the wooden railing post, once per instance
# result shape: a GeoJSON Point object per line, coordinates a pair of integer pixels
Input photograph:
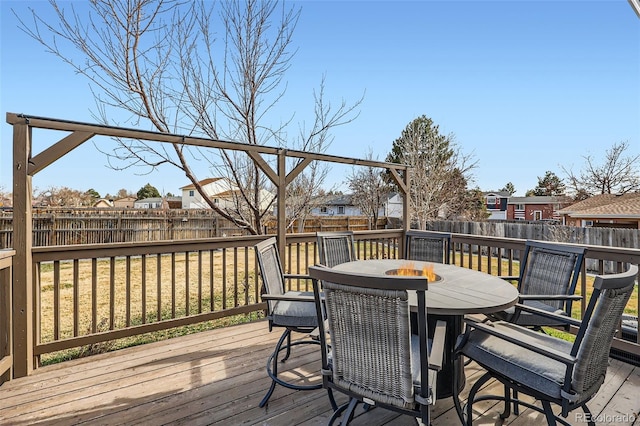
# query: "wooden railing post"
{"type": "Point", "coordinates": [23, 340]}
{"type": "Point", "coordinates": [6, 322]}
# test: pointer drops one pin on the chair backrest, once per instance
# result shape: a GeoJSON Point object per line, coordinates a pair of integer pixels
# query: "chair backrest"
{"type": "Point", "coordinates": [427, 246]}
{"type": "Point", "coordinates": [368, 319]}
{"type": "Point", "coordinates": [270, 267]}
{"type": "Point", "coordinates": [599, 323]}
{"type": "Point", "coordinates": [336, 247]}
{"type": "Point", "coordinates": [550, 269]}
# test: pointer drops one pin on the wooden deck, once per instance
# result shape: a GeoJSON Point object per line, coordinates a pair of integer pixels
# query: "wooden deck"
{"type": "Point", "coordinates": [218, 378]}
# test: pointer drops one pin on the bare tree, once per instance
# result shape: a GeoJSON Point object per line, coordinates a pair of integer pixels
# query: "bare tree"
{"type": "Point", "coordinates": [440, 171]}
{"type": "Point", "coordinates": [369, 190]}
{"type": "Point", "coordinates": [6, 198]}
{"type": "Point", "coordinates": [616, 174]}
{"type": "Point", "coordinates": [161, 63]}
{"type": "Point", "coordinates": [55, 196]}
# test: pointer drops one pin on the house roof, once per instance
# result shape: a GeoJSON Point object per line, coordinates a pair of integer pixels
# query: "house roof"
{"type": "Point", "coordinates": [589, 203]}
{"type": "Point", "coordinates": [540, 199]}
{"type": "Point", "coordinates": [228, 193]}
{"type": "Point", "coordinates": [338, 200]}
{"type": "Point", "coordinates": [158, 199]}
{"type": "Point", "coordinates": [202, 183]}
{"type": "Point", "coordinates": [503, 194]}
{"type": "Point", "coordinates": [619, 206]}
{"type": "Point", "coordinates": [103, 202]}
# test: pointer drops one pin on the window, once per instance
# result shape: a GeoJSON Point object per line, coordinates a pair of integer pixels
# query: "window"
{"type": "Point", "coordinates": [191, 193]}
{"type": "Point", "coordinates": [491, 200]}
{"type": "Point", "coordinates": [519, 206]}
{"type": "Point", "coordinates": [323, 209]}
{"type": "Point", "coordinates": [340, 209]}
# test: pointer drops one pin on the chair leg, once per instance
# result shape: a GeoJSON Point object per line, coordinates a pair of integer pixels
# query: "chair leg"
{"type": "Point", "coordinates": [288, 353]}
{"type": "Point", "coordinates": [507, 403]}
{"type": "Point", "coordinates": [332, 400]}
{"type": "Point", "coordinates": [516, 407]}
{"type": "Point", "coordinates": [588, 414]}
{"type": "Point", "coordinates": [548, 412]}
{"type": "Point", "coordinates": [467, 418]}
{"type": "Point", "coordinates": [273, 370]}
{"type": "Point", "coordinates": [348, 415]}
{"type": "Point", "coordinates": [340, 410]}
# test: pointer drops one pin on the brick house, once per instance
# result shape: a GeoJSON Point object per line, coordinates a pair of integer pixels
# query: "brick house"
{"type": "Point", "coordinates": [537, 207]}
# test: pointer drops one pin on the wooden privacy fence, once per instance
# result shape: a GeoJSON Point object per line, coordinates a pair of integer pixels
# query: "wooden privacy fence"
{"type": "Point", "coordinates": [330, 224]}
{"type": "Point", "coordinates": [613, 237]}
{"type": "Point", "coordinates": [56, 227]}
{"type": "Point", "coordinates": [608, 237]}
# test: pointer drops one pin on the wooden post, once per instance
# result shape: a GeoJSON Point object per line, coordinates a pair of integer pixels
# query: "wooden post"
{"type": "Point", "coordinates": [406, 209]}
{"type": "Point", "coordinates": [282, 213]}
{"type": "Point", "coordinates": [23, 337]}
{"type": "Point", "coordinates": [6, 321]}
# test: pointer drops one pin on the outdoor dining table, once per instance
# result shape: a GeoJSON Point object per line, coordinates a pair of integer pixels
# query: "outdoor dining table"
{"type": "Point", "coordinates": [456, 292]}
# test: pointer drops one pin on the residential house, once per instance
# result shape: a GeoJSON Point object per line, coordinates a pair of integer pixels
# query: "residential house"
{"type": "Point", "coordinates": [342, 205]}
{"type": "Point", "coordinates": [149, 203]}
{"type": "Point", "coordinates": [394, 206]}
{"type": "Point", "coordinates": [496, 202]}
{"type": "Point", "coordinates": [536, 207]}
{"type": "Point", "coordinates": [124, 203]}
{"type": "Point", "coordinates": [335, 205]}
{"type": "Point", "coordinates": [221, 190]}
{"type": "Point", "coordinates": [158, 203]}
{"type": "Point", "coordinates": [103, 203]}
{"type": "Point", "coordinates": [604, 210]}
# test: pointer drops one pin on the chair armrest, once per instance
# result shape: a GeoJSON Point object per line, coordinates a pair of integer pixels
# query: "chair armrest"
{"type": "Point", "coordinates": [524, 341]}
{"type": "Point", "coordinates": [289, 297]}
{"type": "Point", "coordinates": [509, 277]}
{"type": "Point", "coordinates": [296, 276]}
{"type": "Point", "coordinates": [437, 346]}
{"type": "Point", "coordinates": [560, 318]}
{"type": "Point", "coordinates": [550, 297]}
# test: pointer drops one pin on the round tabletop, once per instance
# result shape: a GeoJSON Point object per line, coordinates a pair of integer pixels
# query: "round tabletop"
{"type": "Point", "coordinates": [460, 290]}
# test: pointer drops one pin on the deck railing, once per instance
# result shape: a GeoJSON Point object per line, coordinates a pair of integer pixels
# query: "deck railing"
{"type": "Point", "coordinates": [6, 308]}
{"type": "Point", "coordinates": [91, 294]}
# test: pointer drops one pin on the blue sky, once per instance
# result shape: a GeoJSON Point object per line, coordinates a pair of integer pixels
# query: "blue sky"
{"type": "Point", "coordinates": [525, 86]}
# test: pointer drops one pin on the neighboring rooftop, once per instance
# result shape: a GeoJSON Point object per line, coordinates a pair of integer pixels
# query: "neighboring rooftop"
{"type": "Point", "coordinates": [607, 206]}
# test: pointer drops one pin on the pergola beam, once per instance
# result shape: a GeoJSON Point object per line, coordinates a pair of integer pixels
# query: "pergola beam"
{"type": "Point", "coordinates": [26, 165]}
{"type": "Point", "coordinates": [121, 132]}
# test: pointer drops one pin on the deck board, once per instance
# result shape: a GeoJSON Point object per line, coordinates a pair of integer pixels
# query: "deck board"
{"type": "Point", "coordinates": [217, 378]}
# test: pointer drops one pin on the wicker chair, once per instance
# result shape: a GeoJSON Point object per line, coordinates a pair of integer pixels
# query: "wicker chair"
{"type": "Point", "coordinates": [427, 246]}
{"type": "Point", "coordinates": [335, 248]}
{"type": "Point", "coordinates": [294, 311]}
{"type": "Point", "coordinates": [372, 357]}
{"type": "Point", "coordinates": [552, 370]}
{"type": "Point", "coordinates": [547, 281]}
